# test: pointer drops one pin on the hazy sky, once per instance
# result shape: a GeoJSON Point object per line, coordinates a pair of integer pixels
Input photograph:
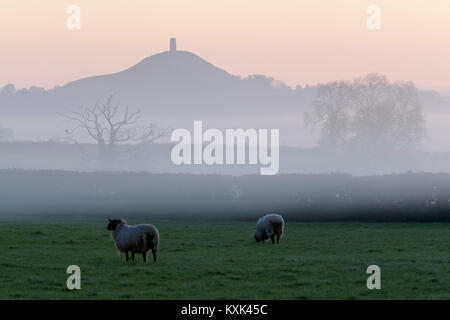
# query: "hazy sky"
{"type": "Point", "coordinates": [298, 41]}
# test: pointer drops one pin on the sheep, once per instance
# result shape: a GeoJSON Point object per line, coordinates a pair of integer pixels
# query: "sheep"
{"type": "Point", "coordinates": [269, 226]}
{"type": "Point", "coordinates": [136, 239]}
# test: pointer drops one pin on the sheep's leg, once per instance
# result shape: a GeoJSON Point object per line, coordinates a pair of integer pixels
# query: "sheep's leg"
{"type": "Point", "coordinates": [132, 256]}
{"type": "Point", "coordinates": [154, 255]}
{"type": "Point", "coordinates": [272, 237]}
{"type": "Point", "coordinates": [278, 238]}
{"type": "Point", "coordinates": [126, 256]}
{"type": "Point", "coordinates": [144, 255]}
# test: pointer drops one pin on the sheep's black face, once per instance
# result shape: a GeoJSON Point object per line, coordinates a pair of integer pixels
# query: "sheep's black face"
{"type": "Point", "coordinates": [112, 225]}
{"type": "Point", "coordinates": [256, 238]}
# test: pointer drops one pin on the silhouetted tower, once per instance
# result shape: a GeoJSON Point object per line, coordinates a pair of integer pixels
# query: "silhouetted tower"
{"type": "Point", "coordinates": [173, 44]}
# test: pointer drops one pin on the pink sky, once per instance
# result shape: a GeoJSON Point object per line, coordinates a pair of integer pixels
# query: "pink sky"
{"type": "Point", "coordinates": [296, 41]}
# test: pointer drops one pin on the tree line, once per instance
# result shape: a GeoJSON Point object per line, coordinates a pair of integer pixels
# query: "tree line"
{"type": "Point", "coordinates": [330, 197]}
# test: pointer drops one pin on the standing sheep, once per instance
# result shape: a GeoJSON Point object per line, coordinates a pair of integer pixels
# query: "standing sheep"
{"type": "Point", "coordinates": [136, 239]}
{"type": "Point", "coordinates": [269, 226]}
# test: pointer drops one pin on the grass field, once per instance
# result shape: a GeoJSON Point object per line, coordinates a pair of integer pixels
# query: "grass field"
{"type": "Point", "coordinates": [220, 260]}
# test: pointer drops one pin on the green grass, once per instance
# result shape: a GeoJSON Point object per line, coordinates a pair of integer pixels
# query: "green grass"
{"type": "Point", "coordinates": [220, 260]}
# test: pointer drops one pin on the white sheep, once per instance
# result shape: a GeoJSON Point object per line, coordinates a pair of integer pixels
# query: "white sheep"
{"type": "Point", "coordinates": [136, 239]}
{"type": "Point", "coordinates": [269, 226]}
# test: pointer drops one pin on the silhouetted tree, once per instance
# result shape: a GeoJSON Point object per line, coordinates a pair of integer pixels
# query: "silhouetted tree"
{"type": "Point", "coordinates": [332, 112]}
{"type": "Point", "coordinates": [110, 125]}
{"type": "Point", "coordinates": [368, 114]}
{"type": "Point", "coordinates": [8, 89]}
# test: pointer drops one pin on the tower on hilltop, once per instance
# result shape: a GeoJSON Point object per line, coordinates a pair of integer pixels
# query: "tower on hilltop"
{"type": "Point", "coordinates": [173, 44]}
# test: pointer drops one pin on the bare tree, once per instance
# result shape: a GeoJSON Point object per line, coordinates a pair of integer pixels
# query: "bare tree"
{"type": "Point", "coordinates": [369, 114]}
{"type": "Point", "coordinates": [331, 112]}
{"type": "Point", "coordinates": [109, 125]}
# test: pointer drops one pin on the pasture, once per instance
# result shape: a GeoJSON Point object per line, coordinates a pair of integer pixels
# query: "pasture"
{"type": "Point", "coordinates": [220, 260]}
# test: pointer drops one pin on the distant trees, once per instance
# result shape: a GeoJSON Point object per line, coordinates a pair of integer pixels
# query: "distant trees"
{"type": "Point", "coordinates": [368, 114]}
{"type": "Point", "coordinates": [109, 125]}
{"type": "Point", "coordinates": [8, 89]}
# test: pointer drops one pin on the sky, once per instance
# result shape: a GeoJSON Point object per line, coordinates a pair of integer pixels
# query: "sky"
{"type": "Point", "coordinates": [296, 41]}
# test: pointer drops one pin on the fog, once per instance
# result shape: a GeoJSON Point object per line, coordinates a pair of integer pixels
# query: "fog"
{"type": "Point", "coordinates": [420, 197]}
{"type": "Point", "coordinates": [347, 149]}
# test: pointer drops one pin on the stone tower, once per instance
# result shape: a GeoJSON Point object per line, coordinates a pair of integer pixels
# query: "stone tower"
{"type": "Point", "coordinates": [173, 44]}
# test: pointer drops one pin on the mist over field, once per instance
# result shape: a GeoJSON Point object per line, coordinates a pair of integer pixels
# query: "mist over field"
{"type": "Point", "coordinates": [172, 89]}
{"type": "Point", "coordinates": [333, 197]}
{"type": "Point", "coordinates": [362, 149]}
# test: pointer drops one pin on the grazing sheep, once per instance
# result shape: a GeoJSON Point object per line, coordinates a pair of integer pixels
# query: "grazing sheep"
{"type": "Point", "coordinates": [269, 226]}
{"type": "Point", "coordinates": [136, 239]}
